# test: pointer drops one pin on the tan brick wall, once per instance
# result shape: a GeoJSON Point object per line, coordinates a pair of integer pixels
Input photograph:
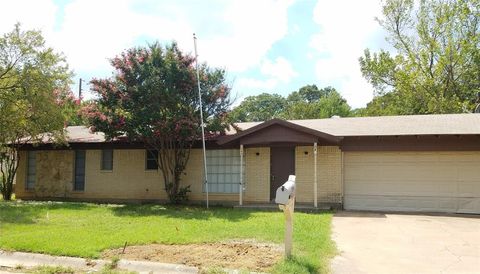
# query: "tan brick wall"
{"type": "Point", "coordinates": [130, 180]}
{"type": "Point", "coordinates": [329, 174]}
{"type": "Point", "coordinates": [20, 177]}
{"type": "Point", "coordinates": [257, 177]}
{"type": "Point", "coordinates": [127, 180]}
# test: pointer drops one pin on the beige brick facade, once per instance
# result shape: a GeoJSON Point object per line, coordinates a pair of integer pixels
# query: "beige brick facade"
{"type": "Point", "coordinates": [130, 181]}
{"type": "Point", "coordinates": [257, 175]}
{"type": "Point", "coordinates": [20, 177]}
{"type": "Point", "coordinates": [329, 174]}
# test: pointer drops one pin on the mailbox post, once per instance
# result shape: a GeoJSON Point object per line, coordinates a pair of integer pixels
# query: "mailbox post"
{"type": "Point", "coordinates": [285, 197]}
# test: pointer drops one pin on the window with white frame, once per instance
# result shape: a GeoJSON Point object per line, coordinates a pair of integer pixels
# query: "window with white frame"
{"type": "Point", "coordinates": [31, 170]}
{"type": "Point", "coordinates": [223, 169]}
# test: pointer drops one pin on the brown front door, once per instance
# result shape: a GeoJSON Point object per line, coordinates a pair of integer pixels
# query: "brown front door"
{"type": "Point", "coordinates": [282, 164]}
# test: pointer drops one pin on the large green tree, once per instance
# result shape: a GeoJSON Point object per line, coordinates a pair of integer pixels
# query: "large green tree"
{"type": "Point", "coordinates": [309, 94]}
{"type": "Point", "coordinates": [153, 98]}
{"type": "Point", "coordinates": [34, 87]}
{"type": "Point", "coordinates": [257, 108]}
{"type": "Point", "coordinates": [436, 64]}
{"type": "Point", "coordinates": [310, 102]}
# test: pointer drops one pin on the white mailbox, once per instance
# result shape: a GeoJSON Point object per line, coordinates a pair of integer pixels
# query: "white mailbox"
{"type": "Point", "coordinates": [286, 199]}
{"type": "Point", "coordinates": [286, 191]}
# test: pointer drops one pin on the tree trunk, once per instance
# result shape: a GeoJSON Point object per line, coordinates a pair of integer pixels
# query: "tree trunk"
{"type": "Point", "coordinates": [172, 161]}
{"type": "Point", "coordinates": [7, 186]}
{"type": "Point", "coordinates": [8, 169]}
{"type": "Point", "coordinates": [7, 189]}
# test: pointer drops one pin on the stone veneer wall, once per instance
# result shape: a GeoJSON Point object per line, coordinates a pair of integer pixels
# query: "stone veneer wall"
{"type": "Point", "coordinates": [54, 174]}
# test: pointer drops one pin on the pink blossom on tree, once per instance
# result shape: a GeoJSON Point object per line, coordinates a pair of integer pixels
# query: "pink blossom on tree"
{"type": "Point", "coordinates": [152, 98]}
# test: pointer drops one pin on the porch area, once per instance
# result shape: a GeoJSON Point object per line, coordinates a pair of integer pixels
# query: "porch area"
{"type": "Point", "coordinates": [287, 149]}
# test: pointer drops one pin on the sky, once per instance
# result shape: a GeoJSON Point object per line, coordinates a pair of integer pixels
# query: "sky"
{"type": "Point", "coordinates": [264, 45]}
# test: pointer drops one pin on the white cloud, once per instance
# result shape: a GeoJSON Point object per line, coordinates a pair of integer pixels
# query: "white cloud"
{"type": "Point", "coordinates": [31, 14]}
{"type": "Point", "coordinates": [93, 31]}
{"type": "Point", "coordinates": [90, 36]}
{"type": "Point", "coordinates": [234, 35]}
{"type": "Point", "coordinates": [259, 85]}
{"type": "Point", "coordinates": [346, 28]}
{"type": "Point", "coordinates": [252, 28]}
{"type": "Point", "coordinates": [280, 71]}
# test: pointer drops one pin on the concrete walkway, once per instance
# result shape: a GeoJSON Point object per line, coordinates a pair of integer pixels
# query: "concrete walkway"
{"type": "Point", "coordinates": [13, 259]}
{"type": "Point", "coordinates": [404, 243]}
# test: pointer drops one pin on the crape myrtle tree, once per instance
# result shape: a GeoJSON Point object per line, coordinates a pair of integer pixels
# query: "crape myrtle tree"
{"type": "Point", "coordinates": [34, 91]}
{"type": "Point", "coordinates": [153, 98]}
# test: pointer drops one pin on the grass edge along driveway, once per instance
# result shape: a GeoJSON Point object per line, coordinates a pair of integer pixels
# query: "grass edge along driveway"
{"type": "Point", "coordinates": [84, 229]}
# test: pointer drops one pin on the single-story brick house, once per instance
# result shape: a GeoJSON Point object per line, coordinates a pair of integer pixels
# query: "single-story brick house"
{"type": "Point", "coordinates": [425, 163]}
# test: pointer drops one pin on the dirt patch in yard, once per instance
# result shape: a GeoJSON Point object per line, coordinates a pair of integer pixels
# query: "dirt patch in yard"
{"type": "Point", "coordinates": [243, 254]}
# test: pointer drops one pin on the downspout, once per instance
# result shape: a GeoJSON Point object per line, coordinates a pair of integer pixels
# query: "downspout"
{"type": "Point", "coordinates": [315, 190]}
{"type": "Point", "coordinates": [241, 176]}
{"type": "Point", "coordinates": [343, 179]}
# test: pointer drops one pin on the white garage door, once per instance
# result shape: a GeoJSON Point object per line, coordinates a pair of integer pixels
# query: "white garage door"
{"type": "Point", "coordinates": [413, 181]}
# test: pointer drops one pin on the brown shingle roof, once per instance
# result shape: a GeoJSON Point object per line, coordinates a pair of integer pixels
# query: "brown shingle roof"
{"type": "Point", "coordinates": [438, 124]}
{"type": "Point", "coordinates": [442, 124]}
{"type": "Point", "coordinates": [82, 134]}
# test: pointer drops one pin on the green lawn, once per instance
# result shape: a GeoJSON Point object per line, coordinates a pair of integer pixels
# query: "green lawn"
{"type": "Point", "coordinates": [81, 229]}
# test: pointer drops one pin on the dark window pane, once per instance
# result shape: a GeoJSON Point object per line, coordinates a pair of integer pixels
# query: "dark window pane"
{"type": "Point", "coordinates": [79, 186]}
{"type": "Point", "coordinates": [80, 166]}
{"type": "Point", "coordinates": [31, 170]}
{"type": "Point", "coordinates": [151, 159]}
{"type": "Point", "coordinates": [79, 183]}
{"type": "Point", "coordinates": [107, 159]}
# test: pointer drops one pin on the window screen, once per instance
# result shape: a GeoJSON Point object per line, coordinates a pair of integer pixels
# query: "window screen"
{"type": "Point", "coordinates": [107, 159]}
{"type": "Point", "coordinates": [31, 170]}
{"type": "Point", "coordinates": [223, 168]}
{"type": "Point", "coordinates": [151, 160]}
{"type": "Point", "coordinates": [79, 184]}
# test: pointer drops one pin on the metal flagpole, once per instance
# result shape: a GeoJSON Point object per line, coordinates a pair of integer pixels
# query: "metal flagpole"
{"type": "Point", "coordinates": [202, 125]}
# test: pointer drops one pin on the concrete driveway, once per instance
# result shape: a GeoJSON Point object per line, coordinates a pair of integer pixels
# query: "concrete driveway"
{"type": "Point", "coordinates": [403, 243]}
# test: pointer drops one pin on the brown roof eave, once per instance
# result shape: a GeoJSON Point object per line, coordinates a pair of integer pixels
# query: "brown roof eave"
{"type": "Point", "coordinates": [322, 135]}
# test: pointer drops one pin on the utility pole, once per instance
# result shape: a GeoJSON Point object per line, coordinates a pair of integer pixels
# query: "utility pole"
{"type": "Point", "coordinates": [80, 89]}
{"type": "Point", "coordinates": [202, 124]}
